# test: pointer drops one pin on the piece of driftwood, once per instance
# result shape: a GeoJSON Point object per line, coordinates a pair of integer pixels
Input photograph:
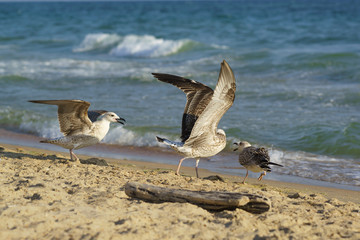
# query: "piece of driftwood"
{"type": "Point", "coordinates": [214, 201]}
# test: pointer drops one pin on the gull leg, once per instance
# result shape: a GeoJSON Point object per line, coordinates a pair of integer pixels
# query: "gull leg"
{"type": "Point", "coordinates": [77, 159]}
{"type": "Point", "coordinates": [196, 167]}
{"type": "Point", "coordinates": [178, 168]}
{"type": "Point", "coordinates": [247, 174]}
{"type": "Point", "coordinates": [261, 175]}
{"type": "Point", "coordinates": [73, 154]}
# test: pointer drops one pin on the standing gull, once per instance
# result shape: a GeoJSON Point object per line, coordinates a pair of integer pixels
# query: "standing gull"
{"type": "Point", "coordinates": [203, 110]}
{"type": "Point", "coordinates": [81, 128]}
{"type": "Point", "coordinates": [254, 159]}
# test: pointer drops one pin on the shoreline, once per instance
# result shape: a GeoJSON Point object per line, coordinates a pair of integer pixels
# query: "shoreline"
{"type": "Point", "coordinates": [156, 155]}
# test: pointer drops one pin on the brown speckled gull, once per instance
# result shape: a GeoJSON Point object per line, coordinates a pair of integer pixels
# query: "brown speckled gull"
{"type": "Point", "coordinates": [254, 159]}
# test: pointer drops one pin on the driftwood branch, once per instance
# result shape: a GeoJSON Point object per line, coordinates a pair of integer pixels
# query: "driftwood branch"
{"type": "Point", "coordinates": [215, 201]}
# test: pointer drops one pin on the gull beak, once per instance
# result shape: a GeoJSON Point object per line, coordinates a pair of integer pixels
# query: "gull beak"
{"type": "Point", "coordinates": [121, 120]}
{"type": "Point", "coordinates": [236, 145]}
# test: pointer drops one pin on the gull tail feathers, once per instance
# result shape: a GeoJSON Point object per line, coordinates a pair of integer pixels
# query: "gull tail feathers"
{"type": "Point", "coordinates": [276, 164]}
{"type": "Point", "coordinates": [56, 141]}
{"type": "Point", "coordinates": [170, 143]}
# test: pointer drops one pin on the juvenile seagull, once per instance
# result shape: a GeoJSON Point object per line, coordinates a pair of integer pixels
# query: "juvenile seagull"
{"type": "Point", "coordinates": [254, 159]}
{"type": "Point", "coordinates": [203, 110]}
{"type": "Point", "coordinates": [80, 127]}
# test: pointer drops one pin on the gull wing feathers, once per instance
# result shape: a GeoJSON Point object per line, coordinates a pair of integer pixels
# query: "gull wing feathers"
{"type": "Point", "coordinates": [94, 114]}
{"type": "Point", "coordinates": [72, 115]}
{"type": "Point", "coordinates": [261, 157]}
{"type": "Point", "coordinates": [221, 101]}
{"type": "Point", "coordinates": [198, 96]}
{"type": "Point", "coordinates": [258, 156]}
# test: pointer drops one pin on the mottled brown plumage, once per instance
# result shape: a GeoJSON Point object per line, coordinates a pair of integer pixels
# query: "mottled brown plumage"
{"type": "Point", "coordinates": [72, 115]}
{"type": "Point", "coordinates": [254, 159]}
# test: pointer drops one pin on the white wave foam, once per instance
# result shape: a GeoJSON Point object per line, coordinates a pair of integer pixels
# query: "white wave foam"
{"type": "Point", "coordinates": [134, 45]}
{"type": "Point", "coordinates": [319, 167]}
{"type": "Point", "coordinates": [47, 129]}
{"type": "Point", "coordinates": [67, 68]}
{"type": "Point", "coordinates": [123, 136]}
{"type": "Point", "coordinates": [96, 41]}
{"type": "Point", "coordinates": [55, 69]}
{"type": "Point", "coordinates": [147, 46]}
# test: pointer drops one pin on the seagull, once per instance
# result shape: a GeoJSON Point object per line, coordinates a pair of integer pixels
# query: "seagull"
{"type": "Point", "coordinates": [254, 159]}
{"type": "Point", "coordinates": [203, 110]}
{"type": "Point", "coordinates": [81, 128]}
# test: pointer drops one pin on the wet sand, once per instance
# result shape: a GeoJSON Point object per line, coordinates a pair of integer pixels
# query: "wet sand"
{"type": "Point", "coordinates": [44, 196]}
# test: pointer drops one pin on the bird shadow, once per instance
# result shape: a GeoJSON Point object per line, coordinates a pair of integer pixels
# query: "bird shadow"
{"type": "Point", "coordinates": [21, 155]}
{"type": "Point", "coordinates": [52, 157]}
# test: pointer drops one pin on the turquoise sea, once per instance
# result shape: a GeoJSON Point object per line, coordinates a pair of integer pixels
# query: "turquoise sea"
{"type": "Point", "coordinates": [297, 66]}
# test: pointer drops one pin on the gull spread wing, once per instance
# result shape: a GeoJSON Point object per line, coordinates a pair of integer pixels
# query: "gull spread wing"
{"type": "Point", "coordinates": [72, 115]}
{"type": "Point", "coordinates": [221, 101]}
{"type": "Point", "coordinates": [198, 96]}
{"type": "Point", "coordinates": [94, 114]}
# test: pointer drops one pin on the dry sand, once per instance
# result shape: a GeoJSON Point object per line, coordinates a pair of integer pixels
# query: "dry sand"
{"type": "Point", "coordinates": [43, 196]}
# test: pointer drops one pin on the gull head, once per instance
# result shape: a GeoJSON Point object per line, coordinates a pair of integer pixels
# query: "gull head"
{"type": "Point", "coordinates": [221, 132]}
{"type": "Point", "coordinates": [241, 145]}
{"type": "Point", "coordinates": [113, 117]}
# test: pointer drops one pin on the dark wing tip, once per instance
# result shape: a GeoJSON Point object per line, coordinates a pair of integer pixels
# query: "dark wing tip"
{"type": "Point", "coordinates": [157, 75]}
{"type": "Point", "coordinates": [165, 76]}
{"type": "Point", "coordinates": [36, 101]}
{"type": "Point", "coordinates": [160, 76]}
{"type": "Point", "coordinates": [276, 164]}
{"type": "Point", "coordinates": [60, 102]}
{"type": "Point", "coordinates": [159, 139]}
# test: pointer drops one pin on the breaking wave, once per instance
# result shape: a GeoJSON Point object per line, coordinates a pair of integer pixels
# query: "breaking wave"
{"type": "Point", "coordinates": [133, 45]}
{"type": "Point", "coordinates": [147, 46]}
{"type": "Point", "coordinates": [97, 41]}
{"type": "Point", "coordinates": [123, 136]}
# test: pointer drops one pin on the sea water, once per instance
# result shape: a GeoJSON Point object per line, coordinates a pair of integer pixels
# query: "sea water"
{"type": "Point", "coordinates": [296, 63]}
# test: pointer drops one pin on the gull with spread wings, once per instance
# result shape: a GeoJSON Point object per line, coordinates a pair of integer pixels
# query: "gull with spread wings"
{"type": "Point", "coordinates": [204, 108]}
{"type": "Point", "coordinates": [81, 128]}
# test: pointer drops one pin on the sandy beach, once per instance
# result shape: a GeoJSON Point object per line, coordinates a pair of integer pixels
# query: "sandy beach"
{"type": "Point", "coordinates": [295, 65]}
{"type": "Point", "coordinates": [44, 196]}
